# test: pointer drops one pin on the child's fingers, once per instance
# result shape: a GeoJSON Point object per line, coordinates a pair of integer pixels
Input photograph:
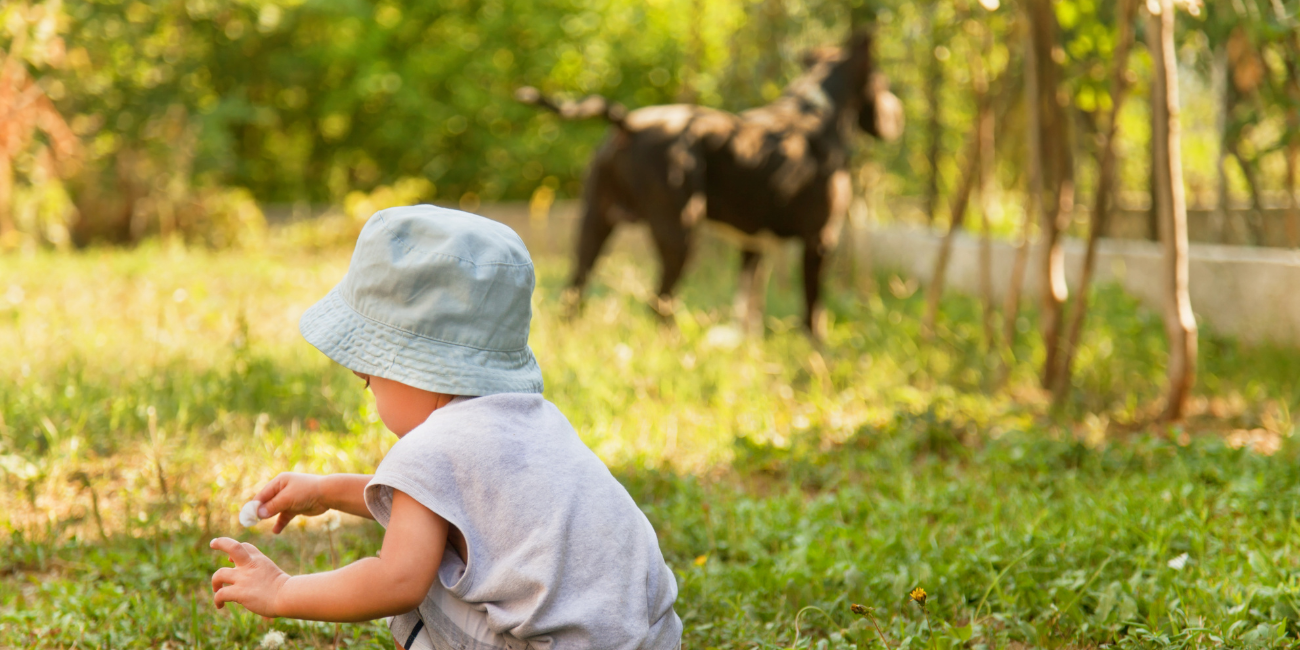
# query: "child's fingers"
{"type": "Point", "coordinates": [253, 551]}
{"type": "Point", "coordinates": [283, 501]}
{"type": "Point", "coordinates": [224, 576]}
{"type": "Point", "coordinates": [223, 596]}
{"type": "Point", "coordinates": [281, 522]}
{"type": "Point", "coordinates": [238, 554]}
{"type": "Point", "coordinates": [269, 491]}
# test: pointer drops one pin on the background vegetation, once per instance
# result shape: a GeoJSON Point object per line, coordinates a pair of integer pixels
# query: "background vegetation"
{"type": "Point", "coordinates": [177, 104]}
{"type": "Point", "coordinates": [147, 393]}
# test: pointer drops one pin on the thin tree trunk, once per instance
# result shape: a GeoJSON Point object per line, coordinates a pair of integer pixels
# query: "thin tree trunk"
{"type": "Point", "coordinates": [959, 202]}
{"type": "Point", "coordinates": [987, 206]}
{"type": "Point", "coordinates": [1254, 222]}
{"type": "Point", "coordinates": [11, 74]}
{"type": "Point", "coordinates": [1221, 91]}
{"type": "Point", "coordinates": [1033, 206]}
{"type": "Point", "coordinates": [6, 199]}
{"type": "Point", "coordinates": [1293, 148]}
{"type": "Point", "coordinates": [689, 91]}
{"type": "Point", "coordinates": [988, 201]}
{"type": "Point", "coordinates": [1101, 205]}
{"type": "Point", "coordinates": [1292, 200]}
{"type": "Point", "coordinates": [1153, 216]}
{"type": "Point", "coordinates": [1180, 323]}
{"type": "Point", "coordinates": [933, 85]}
{"type": "Point", "coordinates": [1058, 176]}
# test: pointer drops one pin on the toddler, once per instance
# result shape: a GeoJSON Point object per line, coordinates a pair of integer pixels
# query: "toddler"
{"type": "Point", "coordinates": [502, 529]}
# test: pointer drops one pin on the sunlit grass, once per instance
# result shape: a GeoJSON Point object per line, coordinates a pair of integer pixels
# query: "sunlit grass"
{"type": "Point", "coordinates": [146, 393]}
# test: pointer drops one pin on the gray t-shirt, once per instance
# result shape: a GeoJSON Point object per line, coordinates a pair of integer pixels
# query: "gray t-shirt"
{"type": "Point", "coordinates": [560, 555]}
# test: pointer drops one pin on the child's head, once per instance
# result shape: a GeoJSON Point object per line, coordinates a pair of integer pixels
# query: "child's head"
{"type": "Point", "coordinates": [402, 407]}
{"type": "Point", "coordinates": [435, 303]}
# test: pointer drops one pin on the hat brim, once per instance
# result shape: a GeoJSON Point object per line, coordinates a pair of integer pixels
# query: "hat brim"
{"type": "Point", "coordinates": [373, 348]}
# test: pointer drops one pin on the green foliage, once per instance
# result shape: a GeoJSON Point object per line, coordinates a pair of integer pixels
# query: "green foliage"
{"type": "Point", "coordinates": [309, 100]}
{"type": "Point", "coordinates": [145, 394]}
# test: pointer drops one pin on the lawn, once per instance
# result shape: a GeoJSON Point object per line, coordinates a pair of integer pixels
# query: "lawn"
{"type": "Point", "coordinates": [145, 394]}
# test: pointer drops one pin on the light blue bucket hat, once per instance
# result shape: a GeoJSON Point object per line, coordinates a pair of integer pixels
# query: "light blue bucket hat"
{"type": "Point", "coordinates": [434, 298]}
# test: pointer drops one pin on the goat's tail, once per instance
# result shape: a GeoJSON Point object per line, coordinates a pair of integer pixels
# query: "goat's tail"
{"type": "Point", "coordinates": [591, 106]}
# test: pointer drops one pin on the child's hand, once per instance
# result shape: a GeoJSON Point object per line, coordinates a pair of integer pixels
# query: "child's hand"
{"type": "Point", "coordinates": [291, 494]}
{"type": "Point", "coordinates": [253, 582]}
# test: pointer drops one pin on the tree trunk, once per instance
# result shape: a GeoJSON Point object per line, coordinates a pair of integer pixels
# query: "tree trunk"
{"type": "Point", "coordinates": [959, 202]}
{"type": "Point", "coordinates": [1220, 82]}
{"type": "Point", "coordinates": [988, 199]}
{"type": "Point", "coordinates": [689, 91]}
{"type": "Point", "coordinates": [6, 200]}
{"type": "Point", "coordinates": [933, 85]}
{"type": "Point", "coordinates": [1101, 205]}
{"type": "Point", "coordinates": [1180, 323]}
{"type": "Point", "coordinates": [1293, 147]}
{"type": "Point", "coordinates": [1254, 222]}
{"type": "Point", "coordinates": [1153, 216]}
{"type": "Point", "coordinates": [1058, 179]}
{"type": "Point", "coordinates": [1033, 206]}
{"type": "Point", "coordinates": [11, 74]}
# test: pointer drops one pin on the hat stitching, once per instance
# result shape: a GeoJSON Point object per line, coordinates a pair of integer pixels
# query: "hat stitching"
{"type": "Point", "coordinates": [474, 263]}
{"type": "Point", "coordinates": [425, 336]}
{"type": "Point", "coordinates": [457, 375]}
{"type": "Point", "coordinates": [463, 377]}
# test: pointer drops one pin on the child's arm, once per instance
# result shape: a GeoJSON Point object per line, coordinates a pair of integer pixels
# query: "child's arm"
{"type": "Point", "coordinates": [393, 583]}
{"type": "Point", "coordinates": [291, 494]}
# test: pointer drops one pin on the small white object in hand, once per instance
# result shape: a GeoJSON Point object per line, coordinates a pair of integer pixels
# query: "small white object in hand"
{"type": "Point", "coordinates": [248, 514]}
{"type": "Point", "coordinates": [1179, 562]}
{"type": "Point", "coordinates": [273, 639]}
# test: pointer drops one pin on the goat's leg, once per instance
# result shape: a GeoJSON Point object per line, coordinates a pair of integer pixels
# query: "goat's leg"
{"type": "Point", "coordinates": [673, 242]}
{"type": "Point", "coordinates": [751, 291]}
{"type": "Point", "coordinates": [814, 318]}
{"type": "Point", "coordinates": [593, 231]}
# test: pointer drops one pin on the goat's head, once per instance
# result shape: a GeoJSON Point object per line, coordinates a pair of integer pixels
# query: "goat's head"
{"type": "Point", "coordinates": [880, 112]}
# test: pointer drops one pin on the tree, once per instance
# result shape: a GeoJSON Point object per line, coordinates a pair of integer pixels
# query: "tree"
{"type": "Point", "coordinates": [1171, 208]}
{"type": "Point", "coordinates": [977, 167]}
{"type": "Point", "coordinates": [1033, 202]}
{"type": "Point", "coordinates": [1057, 165]}
{"type": "Point", "coordinates": [987, 179]}
{"type": "Point", "coordinates": [970, 168]}
{"type": "Point", "coordinates": [1101, 204]}
{"type": "Point", "coordinates": [933, 85]}
{"type": "Point", "coordinates": [1292, 59]}
{"type": "Point", "coordinates": [25, 110]}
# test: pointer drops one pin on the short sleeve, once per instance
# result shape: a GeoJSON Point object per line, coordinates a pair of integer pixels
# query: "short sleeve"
{"type": "Point", "coordinates": [379, 500]}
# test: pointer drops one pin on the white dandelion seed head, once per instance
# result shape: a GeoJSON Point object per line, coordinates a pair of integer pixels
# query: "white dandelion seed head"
{"type": "Point", "coordinates": [274, 640]}
{"type": "Point", "coordinates": [1179, 562]}
{"type": "Point", "coordinates": [248, 516]}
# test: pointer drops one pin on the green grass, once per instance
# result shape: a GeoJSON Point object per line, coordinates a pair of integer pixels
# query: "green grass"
{"type": "Point", "coordinates": [145, 394]}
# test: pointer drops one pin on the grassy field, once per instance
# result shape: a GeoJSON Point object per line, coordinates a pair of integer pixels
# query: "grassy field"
{"type": "Point", "coordinates": [144, 395]}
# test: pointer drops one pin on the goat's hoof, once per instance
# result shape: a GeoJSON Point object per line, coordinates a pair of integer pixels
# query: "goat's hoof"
{"type": "Point", "coordinates": [570, 303]}
{"type": "Point", "coordinates": [665, 308]}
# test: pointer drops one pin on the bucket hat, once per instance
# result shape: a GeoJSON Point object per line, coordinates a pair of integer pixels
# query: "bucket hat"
{"type": "Point", "coordinates": [433, 298]}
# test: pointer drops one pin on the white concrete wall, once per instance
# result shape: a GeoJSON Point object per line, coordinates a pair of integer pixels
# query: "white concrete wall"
{"type": "Point", "coordinates": [1252, 294]}
{"type": "Point", "coordinates": [1249, 293]}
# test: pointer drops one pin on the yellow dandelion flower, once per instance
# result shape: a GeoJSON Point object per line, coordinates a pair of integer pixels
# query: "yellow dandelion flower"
{"type": "Point", "coordinates": [918, 595]}
{"type": "Point", "coordinates": [699, 561]}
{"type": "Point", "coordinates": [858, 609]}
